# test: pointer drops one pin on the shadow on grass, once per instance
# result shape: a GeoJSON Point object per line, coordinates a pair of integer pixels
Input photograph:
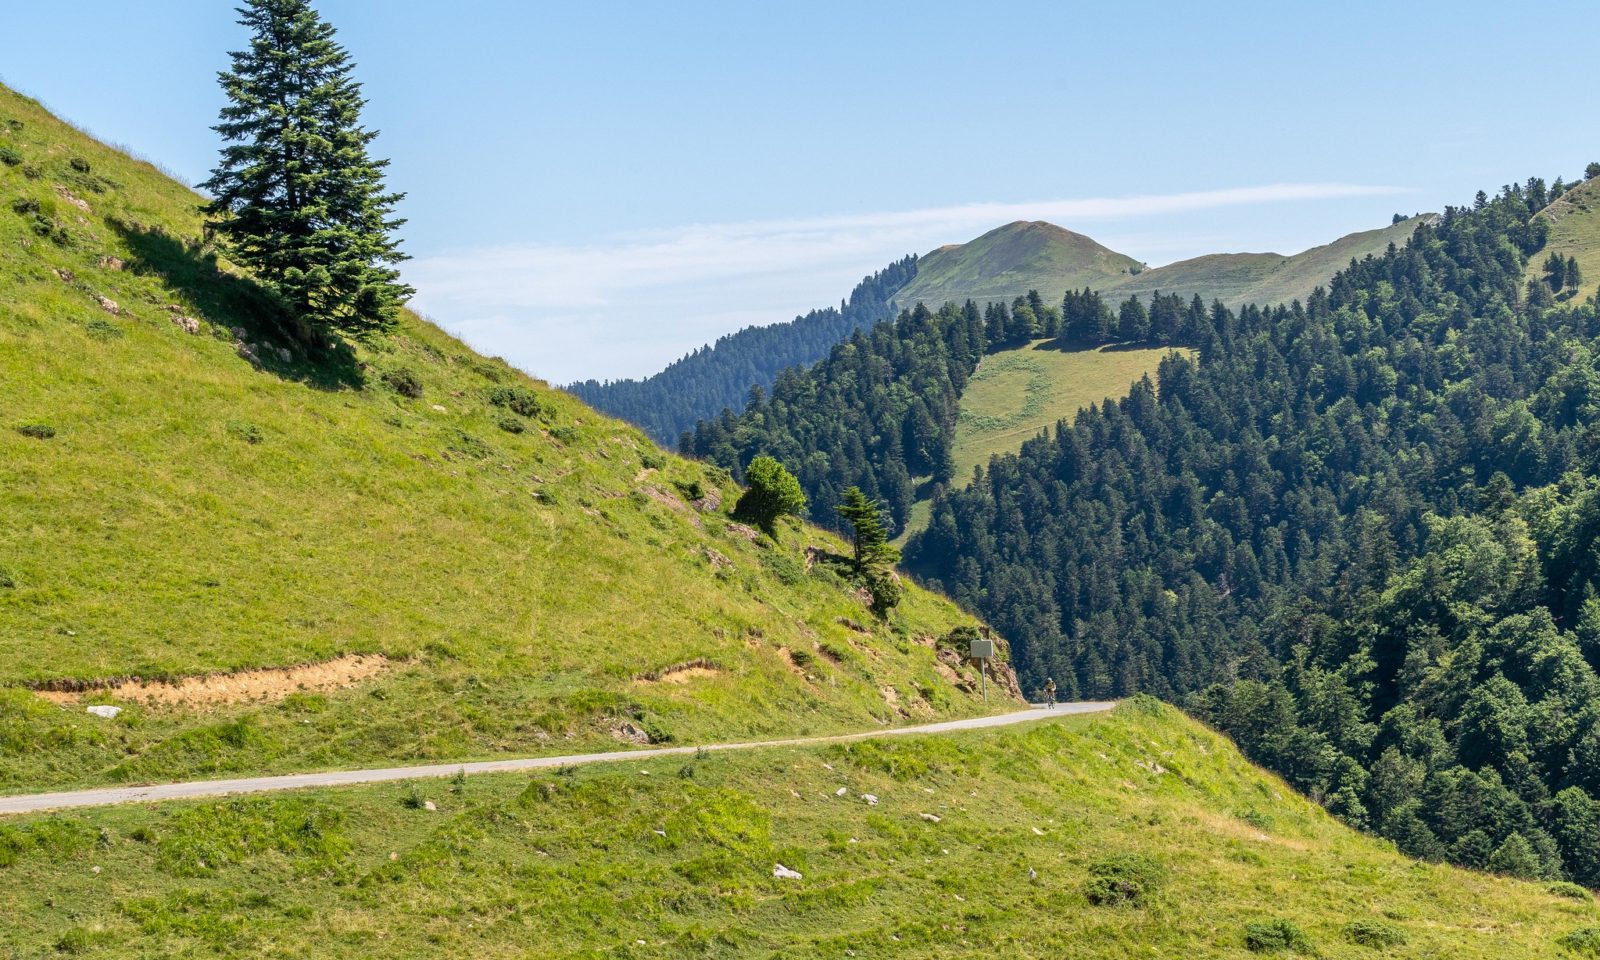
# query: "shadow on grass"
{"type": "Point", "coordinates": [1087, 346]}
{"type": "Point", "coordinates": [244, 305]}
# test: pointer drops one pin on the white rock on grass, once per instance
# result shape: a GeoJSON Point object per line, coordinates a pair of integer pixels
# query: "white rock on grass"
{"type": "Point", "coordinates": [104, 711]}
{"type": "Point", "coordinates": [841, 791]}
{"type": "Point", "coordinates": [932, 817]}
{"type": "Point", "coordinates": [872, 801]}
{"type": "Point", "coordinates": [782, 872]}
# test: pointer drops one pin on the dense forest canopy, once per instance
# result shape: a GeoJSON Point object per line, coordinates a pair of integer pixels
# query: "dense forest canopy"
{"type": "Point", "coordinates": [1358, 533]}
{"type": "Point", "coordinates": [719, 376]}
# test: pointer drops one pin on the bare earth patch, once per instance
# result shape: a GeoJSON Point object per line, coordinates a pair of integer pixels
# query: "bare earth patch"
{"type": "Point", "coordinates": [272, 683]}
{"type": "Point", "coordinates": [696, 669]}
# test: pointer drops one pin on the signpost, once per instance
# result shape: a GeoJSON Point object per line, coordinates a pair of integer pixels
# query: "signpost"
{"type": "Point", "coordinates": [982, 650]}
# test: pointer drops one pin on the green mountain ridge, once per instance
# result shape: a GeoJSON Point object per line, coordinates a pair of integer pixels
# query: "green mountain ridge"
{"type": "Point", "coordinates": [1011, 260]}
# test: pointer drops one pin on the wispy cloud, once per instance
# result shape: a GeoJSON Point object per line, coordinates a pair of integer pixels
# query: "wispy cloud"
{"type": "Point", "coordinates": [631, 304]}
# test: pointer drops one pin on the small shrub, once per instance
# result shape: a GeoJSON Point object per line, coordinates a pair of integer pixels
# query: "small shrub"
{"type": "Point", "coordinates": [1255, 818]}
{"type": "Point", "coordinates": [10, 157]}
{"type": "Point", "coordinates": [8, 581]}
{"type": "Point", "coordinates": [404, 381]}
{"type": "Point", "coordinates": [102, 329]}
{"type": "Point", "coordinates": [509, 423]}
{"type": "Point", "coordinates": [784, 568]}
{"type": "Point", "coordinates": [1584, 940]}
{"type": "Point", "coordinates": [38, 431]}
{"type": "Point", "coordinates": [248, 432]}
{"type": "Point", "coordinates": [413, 798]}
{"type": "Point", "coordinates": [1275, 936]}
{"type": "Point", "coordinates": [1374, 933]}
{"type": "Point", "coordinates": [1561, 888]}
{"type": "Point", "coordinates": [802, 658]}
{"type": "Point", "coordinates": [691, 489]}
{"type": "Point", "coordinates": [653, 461]}
{"type": "Point", "coordinates": [565, 434]}
{"type": "Point", "coordinates": [519, 400]}
{"type": "Point", "coordinates": [25, 206]}
{"type": "Point", "coordinates": [469, 445]}
{"type": "Point", "coordinates": [1124, 879]}
{"type": "Point", "coordinates": [79, 164]}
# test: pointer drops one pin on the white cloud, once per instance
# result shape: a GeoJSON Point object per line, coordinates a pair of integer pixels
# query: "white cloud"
{"type": "Point", "coordinates": [635, 302]}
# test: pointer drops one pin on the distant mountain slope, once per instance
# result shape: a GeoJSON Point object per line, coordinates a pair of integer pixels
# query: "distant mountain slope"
{"type": "Point", "coordinates": [1264, 278]}
{"type": "Point", "coordinates": [719, 376]}
{"type": "Point", "coordinates": [1008, 261]}
{"type": "Point", "coordinates": [185, 492]}
{"type": "Point", "coordinates": [1574, 232]}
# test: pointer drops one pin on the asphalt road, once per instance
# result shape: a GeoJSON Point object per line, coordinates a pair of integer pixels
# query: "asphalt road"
{"type": "Point", "coordinates": [106, 796]}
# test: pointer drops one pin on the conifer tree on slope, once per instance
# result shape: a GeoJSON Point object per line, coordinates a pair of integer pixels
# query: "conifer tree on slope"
{"type": "Point", "coordinates": [298, 200]}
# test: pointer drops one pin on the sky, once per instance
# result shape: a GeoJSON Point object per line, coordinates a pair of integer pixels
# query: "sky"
{"type": "Point", "coordinates": [594, 189]}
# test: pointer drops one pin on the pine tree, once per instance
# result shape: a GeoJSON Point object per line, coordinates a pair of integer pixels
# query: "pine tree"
{"type": "Point", "coordinates": [297, 198]}
{"type": "Point", "coordinates": [868, 534]}
{"type": "Point", "coordinates": [1574, 276]}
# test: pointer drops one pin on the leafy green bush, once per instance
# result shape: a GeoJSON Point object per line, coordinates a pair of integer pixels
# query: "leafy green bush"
{"type": "Point", "coordinates": [8, 581]}
{"type": "Point", "coordinates": [1584, 940]}
{"type": "Point", "coordinates": [519, 400]}
{"type": "Point", "coordinates": [248, 432]}
{"type": "Point", "coordinates": [79, 164]}
{"type": "Point", "coordinates": [38, 431]}
{"type": "Point", "coordinates": [1123, 879]}
{"type": "Point", "coordinates": [509, 423]}
{"type": "Point", "coordinates": [102, 329]}
{"type": "Point", "coordinates": [1374, 933]}
{"type": "Point", "coordinates": [784, 568]}
{"type": "Point", "coordinates": [1276, 936]}
{"type": "Point", "coordinates": [691, 489]}
{"type": "Point", "coordinates": [1569, 890]}
{"type": "Point", "coordinates": [773, 492]}
{"type": "Point", "coordinates": [404, 381]}
{"type": "Point", "coordinates": [10, 157]}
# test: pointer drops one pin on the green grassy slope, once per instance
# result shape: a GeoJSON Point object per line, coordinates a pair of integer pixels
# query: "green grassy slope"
{"type": "Point", "coordinates": [528, 576]}
{"type": "Point", "coordinates": [1264, 278]}
{"type": "Point", "coordinates": [1017, 393]}
{"type": "Point", "coordinates": [672, 859]}
{"type": "Point", "coordinates": [1574, 232]}
{"type": "Point", "coordinates": [1009, 261]}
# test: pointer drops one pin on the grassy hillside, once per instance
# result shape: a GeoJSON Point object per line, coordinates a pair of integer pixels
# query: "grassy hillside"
{"type": "Point", "coordinates": [1016, 393]}
{"type": "Point", "coordinates": [1009, 261]}
{"type": "Point", "coordinates": [1264, 278]}
{"type": "Point", "coordinates": [1574, 232]}
{"type": "Point", "coordinates": [1014, 843]}
{"type": "Point", "coordinates": [185, 491]}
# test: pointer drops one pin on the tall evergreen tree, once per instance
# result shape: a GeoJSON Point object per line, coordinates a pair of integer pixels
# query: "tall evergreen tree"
{"type": "Point", "coordinates": [868, 535]}
{"type": "Point", "coordinates": [297, 198]}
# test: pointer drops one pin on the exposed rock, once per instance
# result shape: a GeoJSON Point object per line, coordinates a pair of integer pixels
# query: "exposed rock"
{"type": "Point", "coordinates": [67, 195]}
{"type": "Point", "coordinates": [187, 324]}
{"type": "Point", "coordinates": [439, 409]}
{"type": "Point", "coordinates": [710, 503]}
{"type": "Point", "coordinates": [718, 561]}
{"type": "Point", "coordinates": [111, 263]}
{"type": "Point", "coordinates": [108, 305]}
{"type": "Point", "coordinates": [932, 817]}
{"type": "Point", "coordinates": [841, 791]}
{"type": "Point", "coordinates": [872, 801]}
{"type": "Point", "coordinates": [104, 711]}
{"type": "Point", "coordinates": [748, 533]}
{"type": "Point", "coordinates": [248, 352]}
{"type": "Point", "coordinates": [284, 356]}
{"type": "Point", "coordinates": [430, 806]}
{"type": "Point", "coordinates": [65, 276]}
{"type": "Point", "coordinates": [782, 872]}
{"type": "Point", "coordinates": [629, 733]}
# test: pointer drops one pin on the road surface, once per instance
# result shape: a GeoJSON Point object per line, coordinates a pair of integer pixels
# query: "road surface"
{"type": "Point", "coordinates": [106, 796]}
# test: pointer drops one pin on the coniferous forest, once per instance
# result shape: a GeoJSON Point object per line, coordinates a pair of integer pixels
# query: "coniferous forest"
{"type": "Point", "coordinates": [1358, 534]}
{"type": "Point", "coordinates": [719, 376]}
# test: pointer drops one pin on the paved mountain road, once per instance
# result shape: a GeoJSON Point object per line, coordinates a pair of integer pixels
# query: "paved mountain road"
{"type": "Point", "coordinates": [106, 796]}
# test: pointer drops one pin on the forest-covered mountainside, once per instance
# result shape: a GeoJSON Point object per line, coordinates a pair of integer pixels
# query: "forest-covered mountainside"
{"type": "Point", "coordinates": [1008, 261]}
{"type": "Point", "coordinates": [459, 561]}
{"type": "Point", "coordinates": [719, 376]}
{"type": "Point", "coordinates": [1137, 833]}
{"type": "Point", "coordinates": [1359, 533]}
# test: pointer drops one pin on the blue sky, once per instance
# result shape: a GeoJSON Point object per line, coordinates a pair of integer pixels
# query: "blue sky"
{"type": "Point", "coordinates": [595, 188]}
